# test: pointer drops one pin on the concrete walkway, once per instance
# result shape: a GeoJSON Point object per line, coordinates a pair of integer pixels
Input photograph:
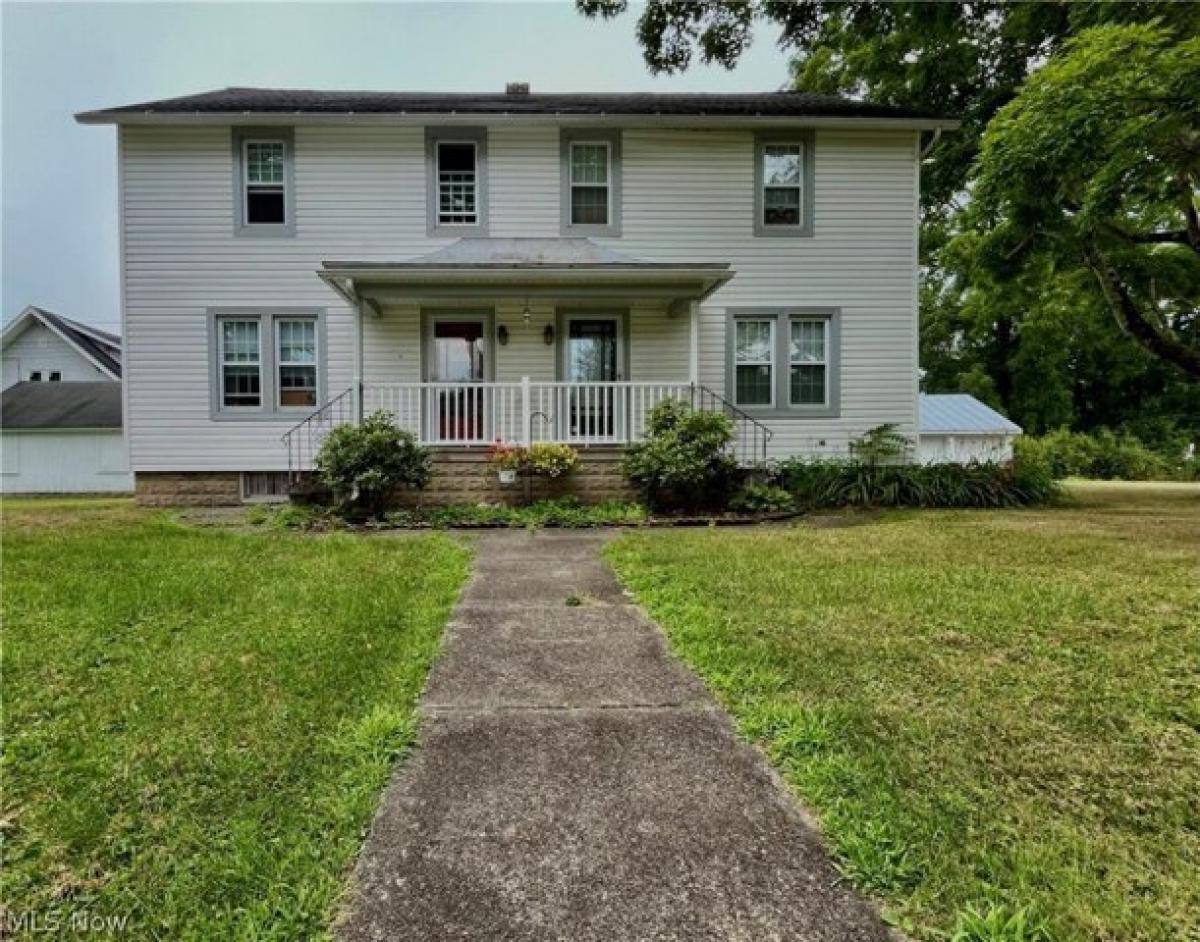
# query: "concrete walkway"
{"type": "Point", "coordinates": [575, 782]}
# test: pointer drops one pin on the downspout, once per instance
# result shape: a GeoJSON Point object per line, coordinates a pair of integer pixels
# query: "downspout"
{"type": "Point", "coordinates": [358, 360]}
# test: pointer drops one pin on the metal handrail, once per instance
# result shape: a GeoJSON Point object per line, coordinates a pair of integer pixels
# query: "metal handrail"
{"type": "Point", "coordinates": [751, 437]}
{"type": "Point", "coordinates": [299, 440]}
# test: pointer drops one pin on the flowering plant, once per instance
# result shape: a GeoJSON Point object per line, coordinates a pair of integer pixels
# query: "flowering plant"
{"type": "Point", "coordinates": [506, 457]}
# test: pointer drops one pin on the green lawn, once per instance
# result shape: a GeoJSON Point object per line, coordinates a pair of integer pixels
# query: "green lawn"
{"type": "Point", "coordinates": [993, 711]}
{"type": "Point", "coordinates": [199, 722]}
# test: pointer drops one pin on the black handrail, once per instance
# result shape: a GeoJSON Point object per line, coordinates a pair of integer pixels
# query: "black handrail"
{"type": "Point", "coordinates": [304, 438]}
{"type": "Point", "coordinates": [750, 436]}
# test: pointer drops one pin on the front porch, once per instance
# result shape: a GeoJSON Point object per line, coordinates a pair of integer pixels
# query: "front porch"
{"type": "Point", "coordinates": [522, 340]}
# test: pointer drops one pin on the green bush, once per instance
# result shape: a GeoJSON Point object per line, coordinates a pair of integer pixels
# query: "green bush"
{"type": "Point", "coordinates": [881, 445]}
{"type": "Point", "coordinates": [363, 464]}
{"type": "Point", "coordinates": [843, 483]}
{"type": "Point", "coordinates": [757, 498]}
{"type": "Point", "coordinates": [684, 462]}
{"type": "Point", "coordinates": [1105, 455]}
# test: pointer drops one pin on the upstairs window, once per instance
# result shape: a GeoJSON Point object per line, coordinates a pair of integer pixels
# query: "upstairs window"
{"type": "Point", "coordinates": [264, 188]}
{"type": "Point", "coordinates": [265, 184]}
{"type": "Point", "coordinates": [241, 364]}
{"type": "Point", "coordinates": [591, 182]}
{"type": "Point", "coordinates": [458, 199]}
{"type": "Point", "coordinates": [456, 178]}
{"type": "Point", "coordinates": [783, 176]}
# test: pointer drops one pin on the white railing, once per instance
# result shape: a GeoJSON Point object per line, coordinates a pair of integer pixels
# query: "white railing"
{"type": "Point", "coordinates": [525, 411]}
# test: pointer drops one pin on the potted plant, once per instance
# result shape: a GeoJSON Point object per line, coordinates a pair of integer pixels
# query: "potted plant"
{"type": "Point", "coordinates": [507, 460]}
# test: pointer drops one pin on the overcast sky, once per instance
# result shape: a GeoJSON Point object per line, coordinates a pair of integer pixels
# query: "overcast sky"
{"type": "Point", "coordinates": [59, 178]}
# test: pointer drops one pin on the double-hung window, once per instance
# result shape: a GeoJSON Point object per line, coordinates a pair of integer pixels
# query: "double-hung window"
{"type": "Point", "coordinates": [591, 182]}
{"type": "Point", "coordinates": [783, 177]}
{"type": "Point", "coordinates": [808, 380]}
{"type": "Point", "coordinates": [241, 364]}
{"type": "Point", "coordinates": [263, 182]}
{"type": "Point", "coordinates": [296, 361]}
{"type": "Point", "coordinates": [267, 363]}
{"type": "Point", "coordinates": [754, 361]}
{"type": "Point", "coordinates": [785, 360]}
{"type": "Point", "coordinates": [456, 178]}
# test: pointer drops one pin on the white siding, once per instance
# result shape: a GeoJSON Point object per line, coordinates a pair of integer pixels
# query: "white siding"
{"type": "Point", "coordinates": [64, 462]}
{"type": "Point", "coordinates": [360, 194]}
{"type": "Point", "coordinates": [39, 348]}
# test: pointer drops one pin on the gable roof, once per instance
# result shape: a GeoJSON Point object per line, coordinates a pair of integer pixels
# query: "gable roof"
{"type": "Point", "coordinates": [961, 414]}
{"type": "Point", "coordinates": [245, 104]}
{"type": "Point", "coordinates": [61, 405]}
{"type": "Point", "coordinates": [99, 347]}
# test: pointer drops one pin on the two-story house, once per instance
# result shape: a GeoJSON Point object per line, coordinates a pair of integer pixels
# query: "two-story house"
{"type": "Point", "coordinates": [517, 266]}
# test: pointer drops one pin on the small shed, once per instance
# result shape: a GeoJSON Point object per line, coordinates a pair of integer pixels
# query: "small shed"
{"type": "Point", "coordinates": [957, 428]}
{"type": "Point", "coordinates": [63, 438]}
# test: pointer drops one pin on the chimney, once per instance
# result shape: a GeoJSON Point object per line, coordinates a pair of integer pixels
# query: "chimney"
{"type": "Point", "coordinates": [516, 88]}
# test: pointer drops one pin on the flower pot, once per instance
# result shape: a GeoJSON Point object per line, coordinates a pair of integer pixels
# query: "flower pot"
{"type": "Point", "coordinates": [507, 475]}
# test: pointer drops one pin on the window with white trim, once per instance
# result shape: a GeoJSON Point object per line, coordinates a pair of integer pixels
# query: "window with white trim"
{"type": "Point", "coordinates": [808, 379]}
{"type": "Point", "coordinates": [754, 361]}
{"type": "Point", "coordinates": [240, 357]}
{"type": "Point", "coordinates": [457, 183]}
{"type": "Point", "coordinates": [264, 182]}
{"type": "Point", "coordinates": [296, 361]}
{"type": "Point", "coordinates": [591, 191]}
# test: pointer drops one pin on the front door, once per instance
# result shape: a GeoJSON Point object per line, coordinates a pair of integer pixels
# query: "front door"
{"type": "Point", "coordinates": [457, 358]}
{"type": "Point", "coordinates": [592, 362]}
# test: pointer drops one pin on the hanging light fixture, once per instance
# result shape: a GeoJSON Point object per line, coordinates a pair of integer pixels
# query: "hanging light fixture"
{"type": "Point", "coordinates": [526, 313]}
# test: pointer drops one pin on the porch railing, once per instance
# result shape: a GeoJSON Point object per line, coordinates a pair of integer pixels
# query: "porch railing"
{"type": "Point", "coordinates": [476, 414]}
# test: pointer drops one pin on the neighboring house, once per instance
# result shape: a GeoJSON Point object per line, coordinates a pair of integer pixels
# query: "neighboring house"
{"type": "Point", "coordinates": [518, 266]}
{"type": "Point", "coordinates": [60, 410]}
{"type": "Point", "coordinates": [958, 428]}
{"type": "Point", "coordinates": [40, 346]}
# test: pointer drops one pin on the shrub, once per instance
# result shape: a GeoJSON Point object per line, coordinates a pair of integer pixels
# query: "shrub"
{"type": "Point", "coordinates": [881, 445]}
{"type": "Point", "coordinates": [757, 498]}
{"type": "Point", "coordinates": [1105, 455]}
{"type": "Point", "coordinates": [819, 484]}
{"type": "Point", "coordinates": [684, 462]}
{"type": "Point", "coordinates": [550, 460]}
{"type": "Point", "coordinates": [363, 464]}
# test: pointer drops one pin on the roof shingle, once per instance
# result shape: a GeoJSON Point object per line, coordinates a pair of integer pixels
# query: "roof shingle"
{"type": "Point", "coordinates": [61, 405]}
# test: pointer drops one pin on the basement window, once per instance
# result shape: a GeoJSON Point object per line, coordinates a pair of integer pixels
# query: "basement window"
{"type": "Point", "coordinates": [264, 487]}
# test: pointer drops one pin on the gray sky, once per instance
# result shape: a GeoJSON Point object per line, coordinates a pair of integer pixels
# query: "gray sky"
{"type": "Point", "coordinates": [59, 178]}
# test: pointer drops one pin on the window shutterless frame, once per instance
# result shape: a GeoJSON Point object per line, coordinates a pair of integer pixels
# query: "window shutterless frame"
{"type": "Point", "coordinates": [754, 360]}
{"type": "Point", "coordinates": [255, 165]}
{"type": "Point", "coordinates": [297, 353]}
{"type": "Point", "coordinates": [808, 353]}
{"type": "Point", "coordinates": [572, 142]}
{"type": "Point", "coordinates": [447, 194]}
{"type": "Point", "coordinates": [239, 362]}
{"type": "Point", "coordinates": [270, 365]}
{"type": "Point", "coordinates": [783, 192]}
{"type": "Point", "coordinates": [783, 404]}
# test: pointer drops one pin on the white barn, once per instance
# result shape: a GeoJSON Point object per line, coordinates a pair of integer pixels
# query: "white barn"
{"type": "Point", "coordinates": [958, 428]}
{"type": "Point", "coordinates": [60, 409]}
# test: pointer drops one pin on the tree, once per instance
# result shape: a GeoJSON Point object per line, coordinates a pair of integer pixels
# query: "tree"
{"type": "Point", "coordinates": [1096, 164]}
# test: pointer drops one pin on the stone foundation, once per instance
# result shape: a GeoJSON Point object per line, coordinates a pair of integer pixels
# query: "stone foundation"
{"type": "Point", "coordinates": [460, 476]}
{"type": "Point", "coordinates": [187, 488]}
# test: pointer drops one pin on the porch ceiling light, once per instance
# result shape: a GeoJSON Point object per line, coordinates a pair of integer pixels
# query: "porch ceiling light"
{"type": "Point", "coordinates": [526, 314]}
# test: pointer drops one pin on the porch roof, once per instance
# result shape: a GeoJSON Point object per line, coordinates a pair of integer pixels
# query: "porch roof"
{"type": "Point", "coordinates": [481, 268]}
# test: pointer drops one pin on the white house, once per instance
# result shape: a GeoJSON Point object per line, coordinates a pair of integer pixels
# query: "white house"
{"type": "Point", "coordinates": [60, 409]}
{"type": "Point", "coordinates": [518, 266]}
{"type": "Point", "coordinates": [957, 428]}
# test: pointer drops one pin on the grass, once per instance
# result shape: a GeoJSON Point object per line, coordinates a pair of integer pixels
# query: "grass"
{"type": "Point", "coordinates": [199, 722]}
{"type": "Point", "coordinates": [994, 714]}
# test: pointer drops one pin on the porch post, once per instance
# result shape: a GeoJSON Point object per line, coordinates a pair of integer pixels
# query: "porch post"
{"type": "Point", "coordinates": [526, 412]}
{"type": "Point", "coordinates": [694, 343]}
{"type": "Point", "coordinates": [358, 360]}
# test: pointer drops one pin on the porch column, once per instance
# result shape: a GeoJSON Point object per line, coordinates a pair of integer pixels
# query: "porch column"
{"type": "Point", "coordinates": [358, 360]}
{"type": "Point", "coordinates": [694, 343]}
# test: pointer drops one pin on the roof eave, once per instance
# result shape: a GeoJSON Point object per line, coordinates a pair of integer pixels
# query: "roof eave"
{"type": "Point", "coordinates": [289, 118]}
